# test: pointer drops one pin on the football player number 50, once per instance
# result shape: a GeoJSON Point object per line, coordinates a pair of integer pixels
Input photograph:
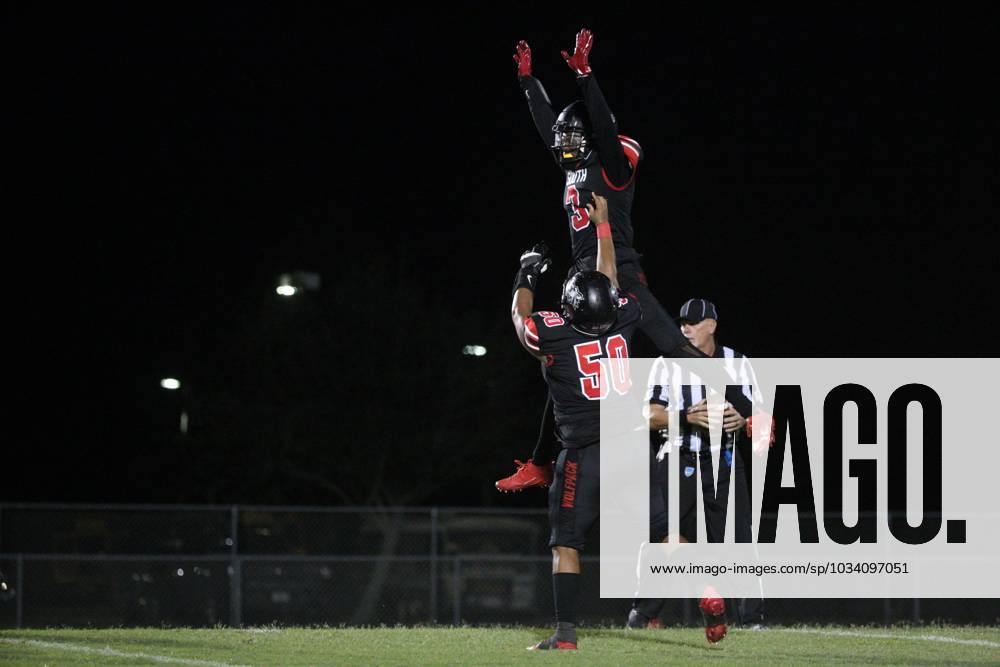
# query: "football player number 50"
{"type": "Point", "coordinates": [588, 360]}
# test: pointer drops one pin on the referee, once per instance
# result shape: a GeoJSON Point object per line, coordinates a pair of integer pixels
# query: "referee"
{"type": "Point", "coordinates": [699, 319]}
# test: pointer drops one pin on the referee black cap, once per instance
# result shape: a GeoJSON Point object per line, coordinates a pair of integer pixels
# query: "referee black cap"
{"type": "Point", "coordinates": [696, 310]}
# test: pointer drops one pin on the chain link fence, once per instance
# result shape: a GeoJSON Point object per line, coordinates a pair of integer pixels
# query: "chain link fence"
{"type": "Point", "coordinates": [148, 565]}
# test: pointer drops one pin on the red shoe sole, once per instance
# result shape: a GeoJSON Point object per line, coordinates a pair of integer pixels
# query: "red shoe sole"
{"type": "Point", "coordinates": [561, 646]}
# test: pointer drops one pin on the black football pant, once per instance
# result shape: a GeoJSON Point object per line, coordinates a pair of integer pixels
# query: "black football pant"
{"type": "Point", "coordinates": [575, 497]}
{"type": "Point", "coordinates": [656, 323]}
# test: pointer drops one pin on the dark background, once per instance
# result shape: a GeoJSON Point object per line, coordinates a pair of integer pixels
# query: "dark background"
{"type": "Point", "coordinates": [827, 179]}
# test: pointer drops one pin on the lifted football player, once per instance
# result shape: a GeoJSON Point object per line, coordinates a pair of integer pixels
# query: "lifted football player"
{"type": "Point", "coordinates": [585, 143]}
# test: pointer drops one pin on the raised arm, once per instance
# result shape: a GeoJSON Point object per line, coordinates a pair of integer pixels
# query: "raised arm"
{"type": "Point", "coordinates": [617, 164]}
{"type": "Point", "coordinates": [534, 263]}
{"type": "Point", "coordinates": [606, 262]}
{"type": "Point", "coordinates": [538, 101]}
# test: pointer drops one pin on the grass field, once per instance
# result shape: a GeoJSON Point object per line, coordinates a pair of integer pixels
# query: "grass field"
{"type": "Point", "coordinates": [497, 646]}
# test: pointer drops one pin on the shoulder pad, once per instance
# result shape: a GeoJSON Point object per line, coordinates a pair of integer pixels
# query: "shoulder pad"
{"type": "Point", "coordinates": [633, 152]}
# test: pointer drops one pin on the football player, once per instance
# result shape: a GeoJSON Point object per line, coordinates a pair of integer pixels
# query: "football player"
{"type": "Point", "coordinates": [585, 143]}
{"type": "Point", "coordinates": [596, 322]}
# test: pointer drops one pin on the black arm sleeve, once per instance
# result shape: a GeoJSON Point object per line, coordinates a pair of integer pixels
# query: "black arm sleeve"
{"type": "Point", "coordinates": [540, 106]}
{"type": "Point", "coordinates": [605, 129]}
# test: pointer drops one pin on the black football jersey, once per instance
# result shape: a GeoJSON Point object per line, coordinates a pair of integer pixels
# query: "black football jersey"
{"type": "Point", "coordinates": [573, 371]}
{"type": "Point", "coordinates": [590, 178]}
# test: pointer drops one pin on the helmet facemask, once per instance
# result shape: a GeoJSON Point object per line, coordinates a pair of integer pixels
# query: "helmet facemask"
{"type": "Point", "coordinates": [571, 145]}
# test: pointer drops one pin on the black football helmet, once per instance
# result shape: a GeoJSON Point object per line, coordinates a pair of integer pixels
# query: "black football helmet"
{"type": "Point", "coordinates": [572, 140]}
{"type": "Point", "coordinates": [590, 302]}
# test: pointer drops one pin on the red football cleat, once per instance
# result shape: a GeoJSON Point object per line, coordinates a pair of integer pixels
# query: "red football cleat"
{"type": "Point", "coordinates": [713, 610]}
{"type": "Point", "coordinates": [715, 633]}
{"type": "Point", "coordinates": [527, 474]}
{"type": "Point", "coordinates": [553, 644]}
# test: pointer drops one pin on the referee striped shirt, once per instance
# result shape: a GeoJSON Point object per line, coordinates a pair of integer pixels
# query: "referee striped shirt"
{"type": "Point", "coordinates": [670, 385]}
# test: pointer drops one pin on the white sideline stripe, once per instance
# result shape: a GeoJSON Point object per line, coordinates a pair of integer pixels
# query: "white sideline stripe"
{"type": "Point", "coordinates": [108, 651]}
{"type": "Point", "coordinates": [874, 635]}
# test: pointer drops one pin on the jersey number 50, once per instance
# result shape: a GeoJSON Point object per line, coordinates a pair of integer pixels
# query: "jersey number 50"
{"type": "Point", "coordinates": [588, 360]}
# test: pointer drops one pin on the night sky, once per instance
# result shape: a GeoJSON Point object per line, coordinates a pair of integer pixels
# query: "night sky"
{"type": "Point", "coordinates": [827, 179]}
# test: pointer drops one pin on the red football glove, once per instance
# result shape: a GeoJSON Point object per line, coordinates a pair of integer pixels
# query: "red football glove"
{"type": "Point", "coordinates": [578, 61]}
{"type": "Point", "coordinates": [523, 58]}
{"type": "Point", "coordinates": [770, 440]}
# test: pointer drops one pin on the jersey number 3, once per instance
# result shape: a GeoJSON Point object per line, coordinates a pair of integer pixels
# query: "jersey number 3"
{"type": "Point", "coordinates": [580, 218]}
{"type": "Point", "coordinates": [588, 360]}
